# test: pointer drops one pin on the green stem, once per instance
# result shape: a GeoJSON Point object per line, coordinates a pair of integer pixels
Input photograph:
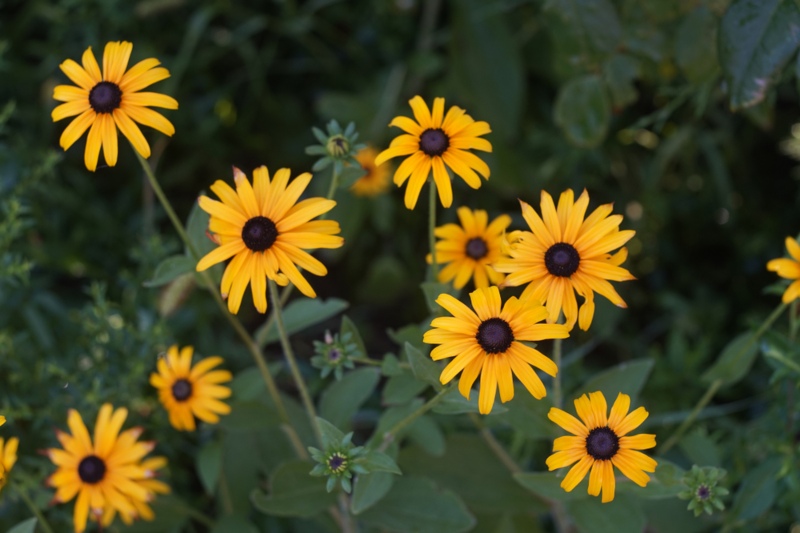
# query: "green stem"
{"type": "Point", "coordinates": [717, 383]}
{"type": "Point", "coordinates": [35, 510]}
{"type": "Point", "coordinates": [431, 229]}
{"type": "Point", "coordinates": [252, 347]}
{"type": "Point", "coordinates": [494, 445]}
{"type": "Point", "coordinates": [391, 434]}
{"type": "Point", "coordinates": [334, 184]}
{"type": "Point", "coordinates": [196, 515]}
{"type": "Point", "coordinates": [557, 400]}
{"type": "Point", "coordinates": [287, 351]}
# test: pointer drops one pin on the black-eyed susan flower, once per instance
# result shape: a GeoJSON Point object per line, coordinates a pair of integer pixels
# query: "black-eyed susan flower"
{"type": "Point", "coordinates": [789, 268]}
{"type": "Point", "coordinates": [468, 250]}
{"type": "Point", "coordinates": [104, 471]}
{"type": "Point", "coordinates": [434, 142]}
{"type": "Point", "coordinates": [601, 442]}
{"type": "Point", "coordinates": [265, 229]}
{"type": "Point", "coordinates": [188, 391]}
{"type": "Point", "coordinates": [143, 509]}
{"type": "Point", "coordinates": [564, 254]}
{"type": "Point", "coordinates": [487, 342]}
{"type": "Point", "coordinates": [8, 458]}
{"type": "Point", "coordinates": [109, 100]}
{"type": "Point", "coordinates": [376, 179]}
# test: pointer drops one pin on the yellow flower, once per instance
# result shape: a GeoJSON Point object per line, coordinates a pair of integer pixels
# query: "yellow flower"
{"type": "Point", "coordinates": [188, 391]}
{"type": "Point", "coordinates": [565, 253]}
{"type": "Point", "coordinates": [789, 269]}
{"type": "Point", "coordinates": [8, 457]}
{"type": "Point", "coordinates": [110, 100]}
{"type": "Point", "coordinates": [470, 248]}
{"type": "Point", "coordinates": [376, 180]}
{"type": "Point", "coordinates": [486, 342]}
{"type": "Point", "coordinates": [433, 142]}
{"type": "Point", "coordinates": [104, 473]}
{"type": "Point", "coordinates": [600, 443]}
{"type": "Point", "coordinates": [265, 229]}
{"type": "Point", "coordinates": [143, 510]}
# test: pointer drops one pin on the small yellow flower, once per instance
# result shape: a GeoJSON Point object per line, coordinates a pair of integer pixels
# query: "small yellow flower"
{"type": "Point", "coordinates": [8, 455]}
{"type": "Point", "coordinates": [376, 179]}
{"type": "Point", "coordinates": [600, 443]}
{"type": "Point", "coordinates": [486, 342]}
{"type": "Point", "coordinates": [265, 229]}
{"type": "Point", "coordinates": [468, 250]}
{"type": "Point", "coordinates": [789, 269]}
{"type": "Point", "coordinates": [110, 100]}
{"type": "Point", "coordinates": [564, 254]}
{"type": "Point", "coordinates": [436, 141]}
{"type": "Point", "coordinates": [188, 391]}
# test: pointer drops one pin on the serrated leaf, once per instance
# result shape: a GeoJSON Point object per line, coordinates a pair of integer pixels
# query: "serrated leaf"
{"type": "Point", "coordinates": [757, 39]}
{"type": "Point", "coordinates": [341, 400]}
{"type": "Point", "coordinates": [370, 489]}
{"type": "Point", "coordinates": [376, 461]}
{"type": "Point", "coordinates": [735, 360]}
{"type": "Point", "coordinates": [209, 462]}
{"type": "Point", "coordinates": [169, 269]}
{"type": "Point", "coordinates": [26, 526]}
{"type": "Point", "coordinates": [583, 111]}
{"type": "Point", "coordinates": [628, 378]}
{"type": "Point", "coordinates": [416, 504]}
{"type": "Point", "coordinates": [301, 314]}
{"type": "Point", "coordinates": [293, 492]}
{"type": "Point", "coordinates": [423, 368]}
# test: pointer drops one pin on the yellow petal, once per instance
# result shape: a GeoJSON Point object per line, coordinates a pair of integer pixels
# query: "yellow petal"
{"type": "Point", "coordinates": [131, 132]}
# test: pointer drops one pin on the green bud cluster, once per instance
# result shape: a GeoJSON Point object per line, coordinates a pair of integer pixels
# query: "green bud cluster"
{"type": "Point", "coordinates": [335, 354]}
{"type": "Point", "coordinates": [703, 492]}
{"type": "Point", "coordinates": [338, 462]}
{"type": "Point", "coordinates": [337, 147]}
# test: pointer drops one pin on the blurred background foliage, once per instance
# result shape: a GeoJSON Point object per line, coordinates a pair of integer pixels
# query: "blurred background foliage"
{"type": "Point", "coordinates": [681, 112]}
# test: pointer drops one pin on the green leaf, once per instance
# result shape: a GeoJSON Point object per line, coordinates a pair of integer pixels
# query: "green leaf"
{"type": "Point", "coordinates": [528, 415]}
{"type": "Point", "coordinates": [471, 470]}
{"type": "Point", "coordinates": [454, 403]}
{"type": "Point", "coordinates": [196, 228]}
{"type": "Point", "coordinates": [209, 462]}
{"type": "Point", "coordinates": [735, 360]}
{"type": "Point", "coordinates": [583, 111]}
{"type": "Point", "coordinates": [331, 435]}
{"type": "Point", "coordinates": [301, 314]}
{"type": "Point", "coordinates": [665, 483]}
{"type": "Point", "coordinates": [369, 490]}
{"type": "Point", "coordinates": [391, 366]}
{"type": "Point", "coordinates": [619, 73]}
{"type": "Point", "coordinates": [342, 399]}
{"type": "Point", "coordinates": [488, 60]}
{"type": "Point", "coordinates": [249, 415]}
{"type": "Point", "coordinates": [628, 378]}
{"type": "Point", "coordinates": [237, 523]}
{"type": "Point", "coordinates": [427, 434]}
{"type": "Point", "coordinates": [432, 290]}
{"type": "Point", "coordinates": [758, 490]}
{"type": "Point", "coordinates": [548, 485]}
{"type": "Point", "coordinates": [698, 63]}
{"type": "Point", "coordinates": [347, 326]}
{"type": "Point", "coordinates": [622, 515]}
{"type": "Point", "coordinates": [169, 269]}
{"type": "Point", "coordinates": [293, 492]}
{"type": "Point", "coordinates": [593, 23]}
{"type": "Point", "coordinates": [416, 504]}
{"type": "Point", "coordinates": [757, 39]}
{"type": "Point", "coordinates": [26, 526]}
{"type": "Point", "coordinates": [390, 417]}
{"type": "Point", "coordinates": [376, 461]}
{"type": "Point", "coordinates": [412, 333]}
{"type": "Point", "coordinates": [701, 449]}
{"type": "Point", "coordinates": [423, 367]}
{"type": "Point", "coordinates": [350, 175]}
{"type": "Point", "coordinates": [402, 389]}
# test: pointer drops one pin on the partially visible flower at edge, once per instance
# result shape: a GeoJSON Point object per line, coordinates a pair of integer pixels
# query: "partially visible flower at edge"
{"type": "Point", "coordinates": [600, 443]}
{"type": "Point", "coordinates": [8, 458]}
{"type": "Point", "coordinates": [433, 142]}
{"type": "Point", "coordinates": [469, 250]}
{"type": "Point", "coordinates": [110, 100]}
{"type": "Point", "coordinates": [266, 230]}
{"type": "Point", "coordinates": [188, 391]}
{"type": "Point", "coordinates": [376, 179]}
{"type": "Point", "coordinates": [788, 268]}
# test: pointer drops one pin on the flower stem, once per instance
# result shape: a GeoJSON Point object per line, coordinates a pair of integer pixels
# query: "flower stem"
{"type": "Point", "coordinates": [494, 445]}
{"type": "Point", "coordinates": [42, 521]}
{"type": "Point", "coordinates": [252, 347]}
{"type": "Point", "coordinates": [717, 383]}
{"type": "Point", "coordinates": [391, 434]}
{"type": "Point", "coordinates": [431, 229]}
{"type": "Point", "coordinates": [334, 184]}
{"type": "Point", "coordinates": [287, 351]}
{"type": "Point", "coordinates": [557, 400]}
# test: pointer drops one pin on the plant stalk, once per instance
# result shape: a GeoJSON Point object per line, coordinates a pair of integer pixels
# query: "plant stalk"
{"type": "Point", "coordinates": [391, 434]}
{"type": "Point", "coordinates": [42, 521]}
{"type": "Point", "coordinates": [431, 229]}
{"type": "Point", "coordinates": [557, 399]}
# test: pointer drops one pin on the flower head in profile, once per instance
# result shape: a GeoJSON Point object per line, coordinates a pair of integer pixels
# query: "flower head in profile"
{"type": "Point", "coordinates": [487, 342]}
{"type": "Point", "coordinates": [599, 443]}
{"type": "Point", "coordinates": [266, 230]}
{"type": "Point", "coordinates": [789, 268]}
{"type": "Point", "coordinates": [433, 142]}
{"type": "Point", "coordinates": [101, 472]}
{"type": "Point", "coordinates": [376, 179]}
{"type": "Point", "coordinates": [188, 391]}
{"type": "Point", "coordinates": [111, 99]}
{"type": "Point", "coordinates": [564, 253]}
{"type": "Point", "coordinates": [468, 250]}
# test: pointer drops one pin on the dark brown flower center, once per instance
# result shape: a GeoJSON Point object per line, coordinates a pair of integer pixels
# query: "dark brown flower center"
{"type": "Point", "coordinates": [434, 141]}
{"type": "Point", "coordinates": [602, 443]}
{"type": "Point", "coordinates": [181, 390]}
{"type": "Point", "coordinates": [337, 462]}
{"type": "Point", "coordinates": [259, 233]}
{"type": "Point", "coordinates": [562, 259]}
{"type": "Point", "coordinates": [495, 335]}
{"type": "Point", "coordinates": [476, 248]}
{"type": "Point", "coordinates": [703, 492]}
{"type": "Point", "coordinates": [105, 97]}
{"type": "Point", "coordinates": [91, 469]}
